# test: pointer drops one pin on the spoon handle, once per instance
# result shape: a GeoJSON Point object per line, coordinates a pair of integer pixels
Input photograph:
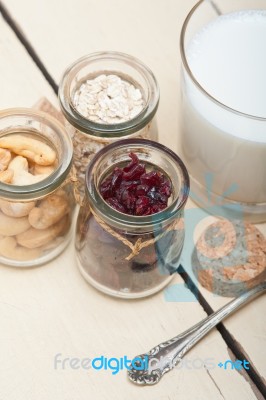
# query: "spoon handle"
{"type": "Point", "coordinates": [163, 357]}
{"type": "Point", "coordinates": [199, 330]}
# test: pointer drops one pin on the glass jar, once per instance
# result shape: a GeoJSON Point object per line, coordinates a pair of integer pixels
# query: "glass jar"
{"type": "Point", "coordinates": [36, 196]}
{"type": "Point", "coordinates": [131, 256]}
{"type": "Point", "coordinates": [223, 131]}
{"type": "Point", "coordinates": [88, 136]}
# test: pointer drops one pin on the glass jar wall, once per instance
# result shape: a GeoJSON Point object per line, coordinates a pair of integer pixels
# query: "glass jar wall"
{"type": "Point", "coordinates": [223, 113]}
{"type": "Point", "coordinates": [125, 255]}
{"type": "Point", "coordinates": [36, 200]}
{"type": "Point", "coordinates": [105, 97]}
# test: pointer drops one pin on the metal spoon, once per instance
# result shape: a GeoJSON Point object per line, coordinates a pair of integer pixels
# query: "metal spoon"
{"type": "Point", "coordinates": [167, 355]}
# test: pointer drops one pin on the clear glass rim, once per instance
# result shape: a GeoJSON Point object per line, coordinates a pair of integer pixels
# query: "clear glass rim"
{"type": "Point", "coordinates": [109, 130]}
{"type": "Point", "coordinates": [192, 77]}
{"type": "Point", "coordinates": [166, 215]}
{"type": "Point", "coordinates": [54, 180]}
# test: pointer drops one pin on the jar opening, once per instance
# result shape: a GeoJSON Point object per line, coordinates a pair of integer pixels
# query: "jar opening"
{"type": "Point", "coordinates": [151, 153]}
{"type": "Point", "coordinates": [128, 67]}
{"type": "Point", "coordinates": [37, 125]}
{"type": "Point", "coordinates": [113, 93]}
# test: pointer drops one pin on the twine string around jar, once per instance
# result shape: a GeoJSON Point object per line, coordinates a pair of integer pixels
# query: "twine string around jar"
{"type": "Point", "coordinates": [79, 182]}
{"type": "Point", "coordinates": [139, 245]}
{"type": "Point", "coordinates": [72, 178]}
{"type": "Point", "coordinates": [85, 148]}
{"type": "Point", "coordinates": [177, 224]}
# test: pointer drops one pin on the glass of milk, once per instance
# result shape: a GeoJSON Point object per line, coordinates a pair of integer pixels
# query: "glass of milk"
{"type": "Point", "coordinates": [223, 133]}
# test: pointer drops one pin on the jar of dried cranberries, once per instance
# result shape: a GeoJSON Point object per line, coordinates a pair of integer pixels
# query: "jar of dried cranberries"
{"type": "Point", "coordinates": [130, 229]}
{"type": "Point", "coordinates": [105, 97]}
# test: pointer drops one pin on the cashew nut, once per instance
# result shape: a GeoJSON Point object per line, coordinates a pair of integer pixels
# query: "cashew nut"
{"type": "Point", "coordinates": [33, 238]}
{"type": "Point", "coordinates": [43, 169]}
{"type": "Point", "coordinates": [49, 212]}
{"type": "Point", "coordinates": [13, 226]}
{"type": "Point", "coordinates": [19, 165]}
{"type": "Point", "coordinates": [53, 244]}
{"type": "Point", "coordinates": [6, 176]}
{"type": "Point", "coordinates": [35, 150]}
{"type": "Point", "coordinates": [16, 210]}
{"type": "Point", "coordinates": [5, 158]}
{"type": "Point", "coordinates": [10, 249]}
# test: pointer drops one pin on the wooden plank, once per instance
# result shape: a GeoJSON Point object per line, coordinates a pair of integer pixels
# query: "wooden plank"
{"type": "Point", "coordinates": [247, 326]}
{"type": "Point", "coordinates": [51, 310]}
{"type": "Point", "coordinates": [150, 32]}
{"type": "Point", "coordinates": [62, 31]}
{"type": "Point", "coordinates": [22, 84]}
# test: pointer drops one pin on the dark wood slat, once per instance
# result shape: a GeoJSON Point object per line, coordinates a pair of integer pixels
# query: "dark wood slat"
{"type": "Point", "coordinates": [25, 42]}
{"type": "Point", "coordinates": [231, 342]}
{"type": "Point", "coordinates": [233, 345]}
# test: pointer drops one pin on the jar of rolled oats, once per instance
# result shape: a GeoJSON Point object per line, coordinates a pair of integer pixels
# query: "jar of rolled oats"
{"type": "Point", "coordinates": [36, 190]}
{"type": "Point", "coordinates": [105, 97]}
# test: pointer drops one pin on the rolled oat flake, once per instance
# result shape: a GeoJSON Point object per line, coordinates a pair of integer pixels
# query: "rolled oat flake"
{"type": "Point", "coordinates": [108, 99]}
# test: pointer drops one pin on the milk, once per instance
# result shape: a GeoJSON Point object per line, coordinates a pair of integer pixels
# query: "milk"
{"type": "Point", "coordinates": [228, 60]}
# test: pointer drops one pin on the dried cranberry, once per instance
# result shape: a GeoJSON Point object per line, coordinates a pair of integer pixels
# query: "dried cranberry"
{"type": "Point", "coordinates": [165, 188]}
{"type": "Point", "coordinates": [120, 194]}
{"type": "Point", "coordinates": [113, 202]}
{"type": "Point", "coordinates": [157, 208]}
{"type": "Point", "coordinates": [157, 197]}
{"type": "Point", "coordinates": [128, 200]}
{"type": "Point", "coordinates": [148, 211]}
{"type": "Point", "coordinates": [134, 161]}
{"type": "Point", "coordinates": [116, 179]}
{"type": "Point", "coordinates": [133, 191]}
{"type": "Point", "coordinates": [131, 185]}
{"type": "Point", "coordinates": [151, 179]}
{"type": "Point", "coordinates": [105, 188]}
{"type": "Point", "coordinates": [142, 204]}
{"type": "Point", "coordinates": [135, 173]}
{"type": "Point", "coordinates": [142, 190]}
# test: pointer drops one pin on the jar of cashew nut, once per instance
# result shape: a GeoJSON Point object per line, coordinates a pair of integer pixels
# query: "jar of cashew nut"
{"type": "Point", "coordinates": [36, 197]}
{"type": "Point", "coordinates": [105, 97]}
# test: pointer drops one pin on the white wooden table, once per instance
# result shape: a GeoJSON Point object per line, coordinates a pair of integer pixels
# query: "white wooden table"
{"type": "Point", "coordinates": [51, 310]}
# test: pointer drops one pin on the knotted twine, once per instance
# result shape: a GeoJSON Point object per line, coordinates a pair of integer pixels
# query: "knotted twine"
{"type": "Point", "coordinates": [177, 224]}
{"type": "Point", "coordinates": [139, 245]}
